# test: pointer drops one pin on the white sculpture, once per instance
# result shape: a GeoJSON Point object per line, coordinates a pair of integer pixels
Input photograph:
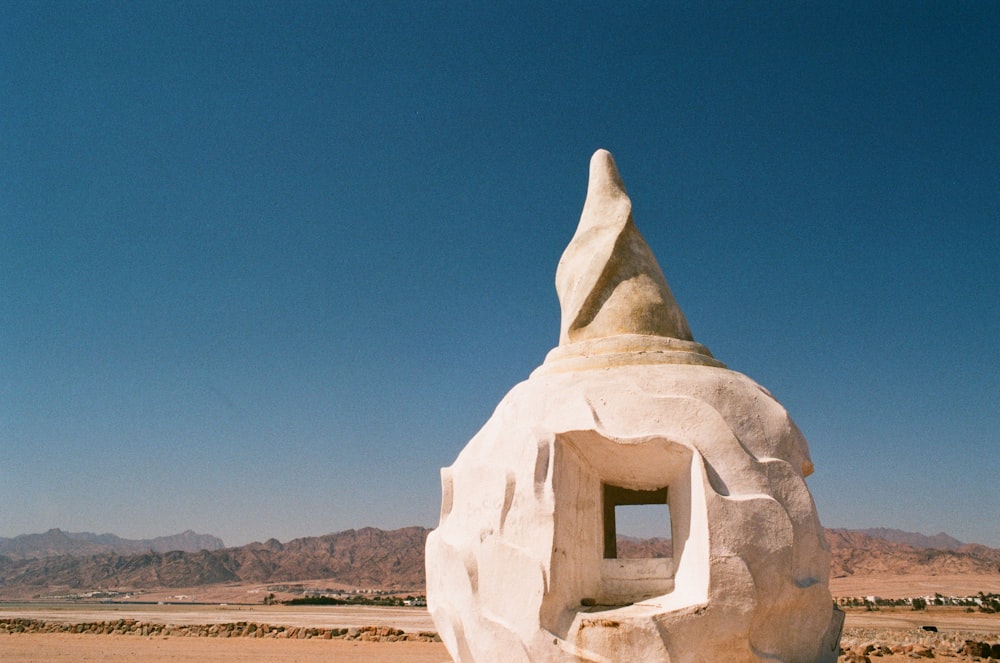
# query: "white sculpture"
{"type": "Point", "coordinates": [629, 409]}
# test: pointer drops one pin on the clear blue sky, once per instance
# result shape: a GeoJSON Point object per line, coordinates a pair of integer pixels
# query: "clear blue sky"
{"type": "Point", "coordinates": [266, 267]}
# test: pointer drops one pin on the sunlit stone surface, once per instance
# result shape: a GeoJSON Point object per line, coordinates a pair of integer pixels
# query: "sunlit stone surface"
{"type": "Point", "coordinates": [628, 409]}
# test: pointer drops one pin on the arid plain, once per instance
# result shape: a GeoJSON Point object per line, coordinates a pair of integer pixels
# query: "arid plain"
{"type": "Point", "coordinates": [901, 628]}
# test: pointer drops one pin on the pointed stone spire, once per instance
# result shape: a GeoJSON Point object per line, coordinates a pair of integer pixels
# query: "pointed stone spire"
{"type": "Point", "coordinates": [608, 280]}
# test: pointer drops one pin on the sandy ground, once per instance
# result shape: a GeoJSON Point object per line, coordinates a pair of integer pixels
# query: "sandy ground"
{"type": "Point", "coordinates": [63, 648]}
{"type": "Point", "coordinates": [31, 647]}
{"type": "Point", "coordinates": [885, 626]}
{"type": "Point", "coordinates": [56, 648]}
{"type": "Point", "coordinates": [944, 619]}
{"type": "Point", "coordinates": [890, 586]}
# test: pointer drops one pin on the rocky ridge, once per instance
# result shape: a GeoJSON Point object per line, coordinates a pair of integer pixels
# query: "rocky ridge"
{"type": "Point", "coordinates": [854, 552]}
{"type": "Point", "coordinates": [371, 557]}
{"type": "Point", "coordinates": [367, 557]}
{"type": "Point", "coordinates": [56, 542]}
{"type": "Point", "coordinates": [939, 541]}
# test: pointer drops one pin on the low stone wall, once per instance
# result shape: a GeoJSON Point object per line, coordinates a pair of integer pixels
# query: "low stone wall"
{"type": "Point", "coordinates": [227, 630]}
{"type": "Point", "coordinates": [857, 644]}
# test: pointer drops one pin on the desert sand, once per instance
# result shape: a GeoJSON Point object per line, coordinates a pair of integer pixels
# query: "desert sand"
{"type": "Point", "coordinates": [49, 647]}
{"type": "Point", "coordinates": [890, 627]}
{"type": "Point", "coordinates": [915, 584]}
{"type": "Point", "coordinates": [24, 647]}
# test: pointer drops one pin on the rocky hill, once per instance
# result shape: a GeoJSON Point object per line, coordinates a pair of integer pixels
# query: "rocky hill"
{"type": "Point", "coordinates": [57, 542]}
{"type": "Point", "coordinates": [630, 547]}
{"type": "Point", "coordinates": [372, 557]}
{"type": "Point", "coordinates": [856, 553]}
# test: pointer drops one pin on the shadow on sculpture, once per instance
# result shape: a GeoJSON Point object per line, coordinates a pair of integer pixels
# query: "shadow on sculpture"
{"type": "Point", "coordinates": [629, 409]}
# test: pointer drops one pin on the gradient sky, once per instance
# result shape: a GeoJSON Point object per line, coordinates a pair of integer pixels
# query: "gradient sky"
{"type": "Point", "coordinates": [266, 267]}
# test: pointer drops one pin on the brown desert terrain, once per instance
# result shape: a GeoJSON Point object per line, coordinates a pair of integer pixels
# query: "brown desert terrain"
{"type": "Point", "coordinates": [916, 584]}
{"type": "Point", "coordinates": [64, 647]}
{"type": "Point", "coordinates": [896, 632]}
{"type": "Point", "coordinates": [180, 609]}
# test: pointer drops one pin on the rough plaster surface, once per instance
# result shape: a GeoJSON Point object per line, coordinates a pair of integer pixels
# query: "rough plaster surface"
{"type": "Point", "coordinates": [516, 570]}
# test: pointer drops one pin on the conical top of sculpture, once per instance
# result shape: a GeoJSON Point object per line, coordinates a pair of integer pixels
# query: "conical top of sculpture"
{"type": "Point", "coordinates": [616, 305]}
{"type": "Point", "coordinates": [608, 280]}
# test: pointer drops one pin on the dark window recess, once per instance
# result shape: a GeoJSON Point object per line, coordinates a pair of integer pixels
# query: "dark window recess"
{"type": "Point", "coordinates": [615, 496]}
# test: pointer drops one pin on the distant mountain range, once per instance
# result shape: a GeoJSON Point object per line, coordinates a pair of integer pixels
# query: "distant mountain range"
{"type": "Point", "coordinates": [61, 562]}
{"type": "Point", "coordinates": [367, 557]}
{"type": "Point", "coordinates": [939, 541]}
{"type": "Point", "coordinates": [79, 544]}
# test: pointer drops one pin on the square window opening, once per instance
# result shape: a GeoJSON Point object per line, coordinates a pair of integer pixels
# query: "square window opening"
{"type": "Point", "coordinates": [636, 523]}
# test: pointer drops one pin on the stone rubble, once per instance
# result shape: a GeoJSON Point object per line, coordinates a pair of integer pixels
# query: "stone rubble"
{"type": "Point", "coordinates": [864, 645]}
{"type": "Point", "coordinates": [227, 630]}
